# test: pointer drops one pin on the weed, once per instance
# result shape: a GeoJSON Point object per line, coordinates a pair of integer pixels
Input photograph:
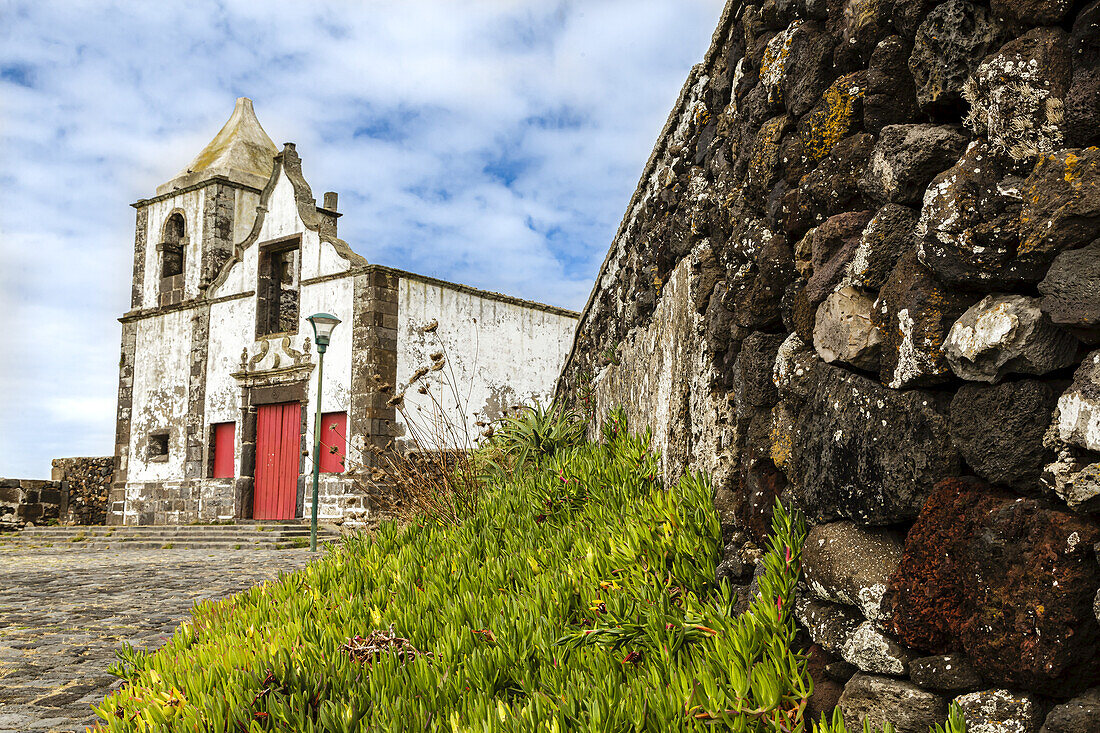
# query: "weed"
{"type": "Point", "coordinates": [536, 433]}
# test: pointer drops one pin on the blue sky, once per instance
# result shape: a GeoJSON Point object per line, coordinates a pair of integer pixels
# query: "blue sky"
{"type": "Point", "coordinates": [490, 143]}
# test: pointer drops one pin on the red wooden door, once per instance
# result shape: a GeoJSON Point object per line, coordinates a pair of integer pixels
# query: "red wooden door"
{"type": "Point", "coordinates": [278, 445]}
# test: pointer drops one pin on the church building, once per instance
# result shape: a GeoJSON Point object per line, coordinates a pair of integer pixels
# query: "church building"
{"type": "Point", "coordinates": [217, 380]}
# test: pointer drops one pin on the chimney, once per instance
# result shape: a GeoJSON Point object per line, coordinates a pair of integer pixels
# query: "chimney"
{"type": "Point", "coordinates": [330, 200]}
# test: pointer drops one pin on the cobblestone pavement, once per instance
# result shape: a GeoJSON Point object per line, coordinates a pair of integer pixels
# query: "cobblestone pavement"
{"type": "Point", "coordinates": [63, 613]}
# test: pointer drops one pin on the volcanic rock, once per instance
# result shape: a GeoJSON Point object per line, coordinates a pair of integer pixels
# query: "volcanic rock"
{"type": "Point", "coordinates": [1061, 206]}
{"type": "Point", "coordinates": [1008, 580]}
{"type": "Point", "coordinates": [757, 288]}
{"type": "Point", "coordinates": [968, 231]}
{"type": "Point", "coordinates": [797, 312]}
{"type": "Point", "coordinates": [1032, 12]}
{"type": "Point", "coordinates": [881, 700]}
{"type": "Point", "coordinates": [1071, 291]}
{"type": "Point", "coordinates": [795, 370]}
{"type": "Point", "coordinates": [795, 66]}
{"type": "Point", "coordinates": [833, 187]}
{"type": "Point", "coordinates": [948, 46]}
{"type": "Point", "coordinates": [1075, 480]}
{"type": "Point", "coordinates": [752, 380]}
{"type": "Point", "coordinates": [834, 245]}
{"type": "Point", "coordinates": [884, 240]}
{"type": "Point", "coordinates": [843, 330]}
{"type": "Point", "coordinates": [891, 96]}
{"type": "Point", "coordinates": [868, 453]}
{"type": "Point", "coordinates": [1082, 113]}
{"type": "Point", "coordinates": [1016, 96]}
{"type": "Point", "coordinates": [1000, 711]}
{"type": "Point", "coordinates": [915, 313]}
{"type": "Point", "coordinates": [846, 563]}
{"type": "Point", "coordinates": [841, 631]}
{"type": "Point", "coordinates": [949, 673]}
{"type": "Point", "coordinates": [763, 165]}
{"type": "Point", "coordinates": [1078, 416]}
{"type": "Point", "coordinates": [999, 431]}
{"type": "Point", "coordinates": [906, 158]}
{"type": "Point", "coordinates": [837, 115]}
{"type": "Point", "coordinates": [1005, 334]}
{"type": "Point", "coordinates": [1079, 715]}
{"type": "Point", "coordinates": [907, 16]}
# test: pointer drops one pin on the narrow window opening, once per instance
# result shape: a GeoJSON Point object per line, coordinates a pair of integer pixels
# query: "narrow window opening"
{"type": "Point", "coordinates": [334, 441]}
{"type": "Point", "coordinates": [172, 246]}
{"type": "Point", "coordinates": [157, 449]}
{"type": "Point", "coordinates": [277, 290]}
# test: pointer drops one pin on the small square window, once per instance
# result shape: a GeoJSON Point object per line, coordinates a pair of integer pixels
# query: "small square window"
{"type": "Point", "coordinates": [157, 449]}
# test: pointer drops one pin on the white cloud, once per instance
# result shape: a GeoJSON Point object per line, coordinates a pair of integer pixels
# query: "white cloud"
{"type": "Point", "coordinates": [491, 143]}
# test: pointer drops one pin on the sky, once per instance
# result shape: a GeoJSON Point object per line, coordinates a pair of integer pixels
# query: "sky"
{"type": "Point", "coordinates": [493, 143]}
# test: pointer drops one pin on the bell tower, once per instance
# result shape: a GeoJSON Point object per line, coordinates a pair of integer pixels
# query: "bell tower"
{"type": "Point", "coordinates": [183, 236]}
{"type": "Point", "coordinates": [185, 232]}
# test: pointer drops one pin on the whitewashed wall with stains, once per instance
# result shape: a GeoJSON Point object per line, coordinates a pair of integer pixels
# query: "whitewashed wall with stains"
{"type": "Point", "coordinates": [499, 353]}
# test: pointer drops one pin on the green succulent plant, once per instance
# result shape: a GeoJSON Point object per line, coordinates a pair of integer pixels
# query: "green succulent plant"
{"type": "Point", "coordinates": [579, 596]}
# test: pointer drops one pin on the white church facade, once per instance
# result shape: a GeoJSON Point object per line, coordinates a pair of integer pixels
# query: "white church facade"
{"type": "Point", "coordinates": [217, 380]}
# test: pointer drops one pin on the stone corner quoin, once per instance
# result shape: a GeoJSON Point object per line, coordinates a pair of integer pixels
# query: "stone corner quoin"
{"type": "Point", "coordinates": [861, 273]}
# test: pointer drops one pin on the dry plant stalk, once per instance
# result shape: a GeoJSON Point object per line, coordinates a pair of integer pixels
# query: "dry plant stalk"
{"type": "Point", "coordinates": [379, 643]}
{"type": "Point", "coordinates": [432, 472]}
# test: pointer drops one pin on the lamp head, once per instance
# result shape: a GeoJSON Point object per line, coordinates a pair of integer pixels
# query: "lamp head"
{"type": "Point", "coordinates": [322, 323]}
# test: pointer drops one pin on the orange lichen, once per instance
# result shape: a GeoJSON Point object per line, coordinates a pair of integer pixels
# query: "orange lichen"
{"type": "Point", "coordinates": [832, 119]}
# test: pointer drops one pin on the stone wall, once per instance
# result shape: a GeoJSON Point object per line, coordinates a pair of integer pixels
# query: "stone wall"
{"type": "Point", "coordinates": [28, 500]}
{"type": "Point", "coordinates": [86, 484]}
{"type": "Point", "coordinates": [861, 272]}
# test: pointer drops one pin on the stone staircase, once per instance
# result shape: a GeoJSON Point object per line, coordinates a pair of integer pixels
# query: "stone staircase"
{"type": "Point", "coordinates": [242, 536]}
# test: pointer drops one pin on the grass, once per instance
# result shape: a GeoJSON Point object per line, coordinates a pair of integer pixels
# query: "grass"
{"type": "Point", "coordinates": [578, 596]}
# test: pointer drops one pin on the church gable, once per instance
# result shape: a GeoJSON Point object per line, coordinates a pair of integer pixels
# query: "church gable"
{"type": "Point", "coordinates": [287, 218]}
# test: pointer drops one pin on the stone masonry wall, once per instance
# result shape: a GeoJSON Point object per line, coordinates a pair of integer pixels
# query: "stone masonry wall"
{"type": "Point", "coordinates": [28, 500]}
{"type": "Point", "coordinates": [86, 482]}
{"type": "Point", "coordinates": [861, 272]}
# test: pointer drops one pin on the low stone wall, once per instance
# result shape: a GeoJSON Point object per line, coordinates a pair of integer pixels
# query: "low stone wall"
{"type": "Point", "coordinates": [28, 500]}
{"type": "Point", "coordinates": [87, 483]}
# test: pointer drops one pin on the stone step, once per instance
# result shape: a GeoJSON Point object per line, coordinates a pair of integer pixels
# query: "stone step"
{"type": "Point", "coordinates": [258, 535]}
{"type": "Point", "coordinates": [103, 544]}
{"type": "Point", "coordinates": [230, 530]}
{"type": "Point", "coordinates": [243, 531]}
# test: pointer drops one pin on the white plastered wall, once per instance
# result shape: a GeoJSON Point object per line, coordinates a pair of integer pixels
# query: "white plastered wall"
{"type": "Point", "coordinates": [161, 371]}
{"type": "Point", "coordinates": [499, 354]}
{"type": "Point", "coordinates": [190, 204]}
{"type": "Point", "coordinates": [233, 322]}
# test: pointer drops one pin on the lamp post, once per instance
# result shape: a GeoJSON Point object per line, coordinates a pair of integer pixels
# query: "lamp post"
{"type": "Point", "coordinates": [323, 324]}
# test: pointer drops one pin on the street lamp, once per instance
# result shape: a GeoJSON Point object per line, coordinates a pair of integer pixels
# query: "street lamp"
{"type": "Point", "coordinates": [323, 324]}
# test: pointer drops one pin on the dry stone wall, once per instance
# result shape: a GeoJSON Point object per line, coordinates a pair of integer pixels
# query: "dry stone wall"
{"type": "Point", "coordinates": [87, 484]}
{"type": "Point", "coordinates": [28, 500]}
{"type": "Point", "coordinates": [861, 272]}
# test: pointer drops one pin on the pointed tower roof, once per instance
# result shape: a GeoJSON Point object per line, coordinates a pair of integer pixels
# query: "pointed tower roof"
{"type": "Point", "coordinates": [241, 151]}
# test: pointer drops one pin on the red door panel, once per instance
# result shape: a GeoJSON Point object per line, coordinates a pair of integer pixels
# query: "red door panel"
{"type": "Point", "coordinates": [334, 431]}
{"type": "Point", "coordinates": [225, 444]}
{"type": "Point", "coordinates": [278, 441]}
